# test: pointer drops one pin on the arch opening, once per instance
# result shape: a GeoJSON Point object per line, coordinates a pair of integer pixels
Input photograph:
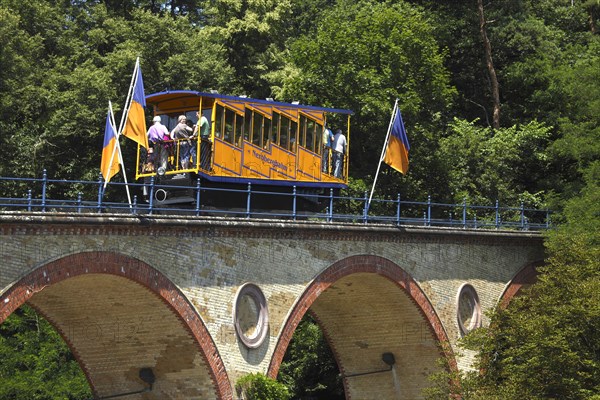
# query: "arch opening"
{"type": "Point", "coordinates": [119, 317]}
{"type": "Point", "coordinates": [309, 367]}
{"type": "Point", "coordinates": [369, 307]}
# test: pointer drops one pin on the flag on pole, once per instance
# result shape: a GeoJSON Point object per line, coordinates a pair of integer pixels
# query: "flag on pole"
{"type": "Point", "coordinates": [135, 125]}
{"type": "Point", "coordinates": [396, 153]}
{"type": "Point", "coordinates": [109, 164]}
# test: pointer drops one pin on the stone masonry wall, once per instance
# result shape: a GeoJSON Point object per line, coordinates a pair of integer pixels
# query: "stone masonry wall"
{"type": "Point", "coordinates": [209, 259]}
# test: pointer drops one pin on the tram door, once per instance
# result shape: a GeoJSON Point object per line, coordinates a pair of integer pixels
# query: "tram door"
{"type": "Point", "coordinates": [229, 129]}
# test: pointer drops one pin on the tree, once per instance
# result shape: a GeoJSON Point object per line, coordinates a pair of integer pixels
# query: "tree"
{"type": "Point", "coordinates": [260, 387]}
{"type": "Point", "coordinates": [515, 158]}
{"type": "Point", "coordinates": [362, 56]}
{"type": "Point", "coordinates": [308, 368]}
{"type": "Point", "coordinates": [577, 147]}
{"type": "Point", "coordinates": [490, 65]}
{"type": "Point", "coordinates": [253, 33]}
{"type": "Point", "coordinates": [36, 362]}
{"type": "Point", "coordinates": [546, 344]}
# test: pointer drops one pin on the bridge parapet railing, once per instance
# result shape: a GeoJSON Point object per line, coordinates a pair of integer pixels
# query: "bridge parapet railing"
{"type": "Point", "coordinates": [79, 196]}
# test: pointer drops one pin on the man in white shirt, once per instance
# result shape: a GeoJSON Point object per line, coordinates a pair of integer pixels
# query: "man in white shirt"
{"type": "Point", "coordinates": [339, 151]}
{"type": "Point", "coordinates": [327, 141]}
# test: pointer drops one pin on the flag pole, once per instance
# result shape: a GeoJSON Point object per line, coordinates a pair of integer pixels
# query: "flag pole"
{"type": "Point", "coordinates": [387, 138]}
{"type": "Point", "coordinates": [129, 98]}
{"type": "Point", "coordinates": [120, 154]}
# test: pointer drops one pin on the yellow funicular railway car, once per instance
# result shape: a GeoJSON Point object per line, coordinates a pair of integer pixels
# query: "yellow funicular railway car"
{"type": "Point", "coordinates": [232, 141]}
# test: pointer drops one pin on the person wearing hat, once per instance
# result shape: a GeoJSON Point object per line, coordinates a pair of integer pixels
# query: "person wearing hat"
{"type": "Point", "coordinates": [156, 135]}
{"type": "Point", "coordinates": [181, 133]}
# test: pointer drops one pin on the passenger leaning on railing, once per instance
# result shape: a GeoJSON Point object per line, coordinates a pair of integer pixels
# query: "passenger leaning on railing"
{"type": "Point", "coordinates": [181, 133]}
{"type": "Point", "coordinates": [157, 153]}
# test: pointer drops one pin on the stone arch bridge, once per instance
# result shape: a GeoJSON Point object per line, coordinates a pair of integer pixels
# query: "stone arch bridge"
{"type": "Point", "coordinates": [199, 302]}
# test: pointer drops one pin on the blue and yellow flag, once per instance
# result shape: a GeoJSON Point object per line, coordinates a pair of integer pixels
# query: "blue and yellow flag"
{"type": "Point", "coordinates": [396, 153]}
{"type": "Point", "coordinates": [108, 168]}
{"type": "Point", "coordinates": [135, 126]}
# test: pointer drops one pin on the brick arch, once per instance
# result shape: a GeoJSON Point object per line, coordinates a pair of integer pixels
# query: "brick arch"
{"type": "Point", "coordinates": [525, 277]}
{"type": "Point", "coordinates": [129, 268]}
{"type": "Point", "coordinates": [352, 265]}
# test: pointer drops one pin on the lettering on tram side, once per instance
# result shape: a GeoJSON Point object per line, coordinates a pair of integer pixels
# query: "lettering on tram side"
{"type": "Point", "coordinates": [268, 160]}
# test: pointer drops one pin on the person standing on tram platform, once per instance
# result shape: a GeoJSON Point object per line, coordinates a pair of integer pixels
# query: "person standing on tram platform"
{"type": "Point", "coordinates": [202, 133]}
{"type": "Point", "coordinates": [327, 142]}
{"type": "Point", "coordinates": [181, 133]}
{"type": "Point", "coordinates": [156, 135]}
{"type": "Point", "coordinates": [339, 152]}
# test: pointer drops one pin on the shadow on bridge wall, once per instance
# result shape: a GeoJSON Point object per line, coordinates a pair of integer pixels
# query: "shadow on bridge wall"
{"type": "Point", "coordinates": [92, 265]}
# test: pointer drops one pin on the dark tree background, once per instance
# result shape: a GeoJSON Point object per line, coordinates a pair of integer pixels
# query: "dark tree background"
{"type": "Point", "coordinates": [62, 61]}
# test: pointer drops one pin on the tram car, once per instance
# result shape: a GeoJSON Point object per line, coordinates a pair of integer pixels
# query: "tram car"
{"type": "Point", "coordinates": [234, 141]}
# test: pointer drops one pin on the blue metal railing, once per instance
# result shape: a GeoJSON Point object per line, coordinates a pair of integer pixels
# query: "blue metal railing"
{"type": "Point", "coordinates": [91, 196]}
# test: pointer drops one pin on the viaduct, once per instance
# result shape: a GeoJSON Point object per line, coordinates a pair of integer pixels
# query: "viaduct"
{"type": "Point", "coordinates": [198, 302]}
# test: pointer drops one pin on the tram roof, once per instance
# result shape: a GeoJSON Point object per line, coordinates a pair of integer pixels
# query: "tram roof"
{"type": "Point", "coordinates": [174, 94]}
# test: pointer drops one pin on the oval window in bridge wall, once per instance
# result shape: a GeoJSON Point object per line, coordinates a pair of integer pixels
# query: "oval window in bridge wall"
{"type": "Point", "coordinates": [468, 310]}
{"type": "Point", "coordinates": [250, 316]}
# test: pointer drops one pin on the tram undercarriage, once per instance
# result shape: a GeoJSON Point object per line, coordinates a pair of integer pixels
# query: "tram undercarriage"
{"type": "Point", "coordinates": [181, 191]}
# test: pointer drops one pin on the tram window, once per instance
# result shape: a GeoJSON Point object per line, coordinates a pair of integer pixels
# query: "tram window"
{"type": "Point", "coordinates": [319, 138]}
{"type": "Point", "coordinates": [266, 132]}
{"type": "Point", "coordinates": [275, 129]}
{"type": "Point", "coordinates": [170, 121]}
{"type": "Point", "coordinates": [190, 116]}
{"type": "Point", "coordinates": [257, 125]}
{"type": "Point", "coordinates": [247, 124]}
{"type": "Point", "coordinates": [284, 132]}
{"type": "Point", "coordinates": [239, 129]}
{"type": "Point", "coordinates": [302, 133]}
{"type": "Point", "coordinates": [293, 131]}
{"type": "Point", "coordinates": [219, 121]}
{"type": "Point", "coordinates": [206, 113]}
{"type": "Point", "coordinates": [310, 135]}
{"type": "Point", "coordinates": [229, 125]}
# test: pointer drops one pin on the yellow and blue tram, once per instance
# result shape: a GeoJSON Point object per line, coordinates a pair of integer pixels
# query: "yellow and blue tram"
{"type": "Point", "coordinates": [272, 145]}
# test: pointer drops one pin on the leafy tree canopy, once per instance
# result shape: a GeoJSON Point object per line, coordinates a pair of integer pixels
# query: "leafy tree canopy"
{"type": "Point", "coordinates": [36, 363]}
{"type": "Point", "coordinates": [362, 56]}
{"type": "Point", "coordinates": [515, 158]}
{"type": "Point", "coordinates": [546, 344]}
{"type": "Point", "coordinates": [308, 368]}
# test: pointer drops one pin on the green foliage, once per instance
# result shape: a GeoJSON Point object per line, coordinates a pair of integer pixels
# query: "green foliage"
{"type": "Point", "coordinates": [253, 32]}
{"type": "Point", "coordinates": [362, 56]}
{"type": "Point", "coordinates": [260, 387]}
{"type": "Point", "coordinates": [36, 362]}
{"type": "Point", "coordinates": [503, 164]}
{"type": "Point", "coordinates": [62, 61]}
{"type": "Point", "coordinates": [577, 146]}
{"type": "Point", "coordinates": [308, 368]}
{"type": "Point", "coordinates": [53, 110]}
{"type": "Point", "coordinates": [546, 344]}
